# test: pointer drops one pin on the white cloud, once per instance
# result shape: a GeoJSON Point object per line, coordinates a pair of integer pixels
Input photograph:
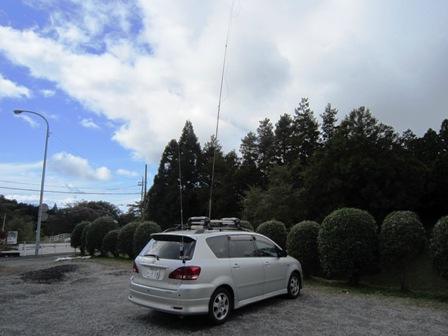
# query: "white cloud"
{"type": "Point", "coordinates": [9, 89]}
{"type": "Point", "coordinates": [151, 66]}
{"type": "Point", "coordinates": [127, 173]}
{"type": "Point", "coordinates": [69, 164]}
{"type": "Point", "coordinates": [48, 93]}
{"type": "Point", "coordinates": [89, 123]}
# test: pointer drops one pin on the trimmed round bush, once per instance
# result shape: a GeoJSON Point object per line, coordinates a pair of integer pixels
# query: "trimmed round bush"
{"type": "Point", "coordinates": [246, 225]}
{"type": "Point", "coordinates": [439, 248]}
{"type": "Point", "coordinates": [96, 233]}
{"type": "Point", "coordinates": [402, 239]}
{"type": "Point", "coordinates": [142, 235]}
{"type": "Point", "coordinates": [82, 248]}
{"type": "Point", "coordinates": [75, 237]}
{"type": "Point", "coordinates": [110, 243]}
{"type": "Point", "coordinates": [348, 244]}
{"type": "Point", "coordinates": [301, 243]}
{"type": "Point", "coordinates": [275, 230]}
{"type": "Point", "coordinates": [125, 241]}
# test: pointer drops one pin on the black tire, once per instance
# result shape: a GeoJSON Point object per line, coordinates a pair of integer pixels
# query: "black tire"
{"type": "Point", "coordinates": [220, 306]}
{"type": "Point", "coordinates": [294, 285]}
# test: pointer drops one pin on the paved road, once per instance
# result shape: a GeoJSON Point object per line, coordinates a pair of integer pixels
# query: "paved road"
{"type": "Point", "coordinates": [33, 260]}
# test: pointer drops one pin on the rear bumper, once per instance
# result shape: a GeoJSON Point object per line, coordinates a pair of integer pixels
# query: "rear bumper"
{"type": "Point", "coordinates": [186, 300]}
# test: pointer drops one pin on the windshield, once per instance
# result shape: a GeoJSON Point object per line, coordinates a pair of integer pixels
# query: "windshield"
{"type": "Point", "coordinates": [170, 247]}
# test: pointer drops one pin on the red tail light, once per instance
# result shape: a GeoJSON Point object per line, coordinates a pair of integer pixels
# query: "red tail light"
{"type": "Point", "coordinates": [186, 273]}
{"type": "Point", "coordinates": [135, 268]}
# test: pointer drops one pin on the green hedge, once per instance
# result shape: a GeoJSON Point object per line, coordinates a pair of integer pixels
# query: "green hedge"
{"type": "Point", "coordinates": [76, 236]}
{"type": "Point", "coordinates": [110, 243]}
{"type": "Point", "coordinates": [96, 233]}
{"type": "Point", "coordinates": [142, 235]}
{"type": "Point", "coordinates": [125, 241]}
{"type": "Point", "coordinates": [348, 244]}
{"type": "Point", "coordinates": [275, 230]}
{"type": "Point", "coordinates": [439, 247]}
{"type": "Point", "coordinates": [302, 245]}
{"type": "Point", "coordinates": [402, 239]}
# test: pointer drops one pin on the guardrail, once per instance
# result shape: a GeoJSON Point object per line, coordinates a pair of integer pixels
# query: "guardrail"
{"type": "Point", "coordinates": [49, 248]}
{"type": "Point", "coordinates": [62, 237]}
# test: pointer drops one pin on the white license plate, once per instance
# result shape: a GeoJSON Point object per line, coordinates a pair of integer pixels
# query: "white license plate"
{"type": "Point", "coordinates": [152, 273]}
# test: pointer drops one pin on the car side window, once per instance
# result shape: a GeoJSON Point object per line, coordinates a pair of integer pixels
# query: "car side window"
{"type": "Point", "coordinates": [219, 246]}
{"type": "Point", "coordinates": [242, 248]}
{"type": "Point", "coordinates": [266, 248]}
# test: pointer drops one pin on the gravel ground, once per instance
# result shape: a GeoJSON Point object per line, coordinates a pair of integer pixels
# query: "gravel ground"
{"type": "Point", "coordinates": [87, 298]}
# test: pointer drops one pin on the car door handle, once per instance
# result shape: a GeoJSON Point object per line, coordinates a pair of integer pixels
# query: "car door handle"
{"type": "Point", "coordinates": [236, 266]}
{"type": "Point", "coordinates": [267, 263]}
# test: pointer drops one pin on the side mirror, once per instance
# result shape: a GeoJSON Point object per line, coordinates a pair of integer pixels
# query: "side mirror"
{"type": "Point", "coordinates": [283, 253]}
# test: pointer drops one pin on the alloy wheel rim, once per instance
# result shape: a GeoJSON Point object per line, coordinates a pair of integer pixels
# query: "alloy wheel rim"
{"type": "Point", "coordinates": [221, 306]}
{"type": "Point", "coordinates": [294, 286]}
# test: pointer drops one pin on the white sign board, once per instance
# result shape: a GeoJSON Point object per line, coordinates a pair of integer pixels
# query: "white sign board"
{"type": "Point", "coordinates": [11, 239]}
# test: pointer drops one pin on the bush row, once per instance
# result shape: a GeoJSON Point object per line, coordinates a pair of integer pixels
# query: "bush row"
{"type": "Point", "coordinates": [103, 236]}
{"type": "Point", "coordinates": [349, 244]}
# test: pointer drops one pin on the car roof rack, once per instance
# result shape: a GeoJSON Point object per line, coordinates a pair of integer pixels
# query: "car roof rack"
{"type": "Point", "coordinates": [203, 223]}
{"type": "Point", "coordinates": [199, 223]}
{"type": "Point", "coordinates": [193, 223]}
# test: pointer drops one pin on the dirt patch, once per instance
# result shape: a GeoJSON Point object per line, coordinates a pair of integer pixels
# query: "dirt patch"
{"type": "Point", "coordinates": [49, 275]}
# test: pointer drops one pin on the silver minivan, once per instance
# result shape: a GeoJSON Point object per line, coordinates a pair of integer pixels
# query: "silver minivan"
{"type": "Point", "coordinates": [211, 270]}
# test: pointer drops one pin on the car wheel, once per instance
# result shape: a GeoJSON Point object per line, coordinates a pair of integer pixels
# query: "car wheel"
{"type": "Point", "coordinates": [294, 285]}
{"type": "Point", "coordinates": [219, 306]}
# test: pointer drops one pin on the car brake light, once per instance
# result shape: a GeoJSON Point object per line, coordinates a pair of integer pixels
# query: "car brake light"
{"type": "Point", "coordinates": [135, 268]}
{"type": "Point", "coordinates": [186, 273]}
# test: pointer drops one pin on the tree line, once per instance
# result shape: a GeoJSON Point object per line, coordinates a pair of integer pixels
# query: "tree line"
{"type": "Point", "coordinates": [22, 217]}
{"type": "Point", "coordinates": [302, 169]}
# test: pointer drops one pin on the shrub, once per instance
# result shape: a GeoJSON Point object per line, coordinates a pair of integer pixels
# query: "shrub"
{"type": "Point", "coordinates": [402, 239]}
{"type": "Point", "coordinates": [75, 238]}
{"type": "Point", "coordinates": [275, 230]}
{"type": "Point", "coordinates": [125, 241]}
{"type": "Point", "coordinates": [142, 235]}
{"type": "Point", "coordinates": [348, 244]}
{"type": "Point", "coordinates": [439, 247]}
{"type": "Point", "coordinates": [301, 243]}
{"type": "Point", "coordinates": [246, 225]}
{"type": "Point", "coordinates": [110, 243]}
{"type": "Point", "coordinates": [96, 233]}
{"type": "Point", "coordinates": [84, 238]}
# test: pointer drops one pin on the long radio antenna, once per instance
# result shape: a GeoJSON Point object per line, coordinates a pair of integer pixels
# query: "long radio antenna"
{"type": "Point", "coordinates": [180, 189]}
{"type": "Point", "coordinates": [219, 111]}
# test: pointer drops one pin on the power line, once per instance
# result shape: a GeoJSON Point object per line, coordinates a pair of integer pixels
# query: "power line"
{"type": "Point", "coordinates": [72, 192]}
{"type": "Point", "coordinates": [58, 186]}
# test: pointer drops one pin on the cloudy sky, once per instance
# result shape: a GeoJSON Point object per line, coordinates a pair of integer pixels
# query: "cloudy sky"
{"type": "Point", "coordinates": [117, 80]}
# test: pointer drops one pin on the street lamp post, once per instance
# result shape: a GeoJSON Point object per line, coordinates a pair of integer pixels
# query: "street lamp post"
{"type": "Point", "coordinates": [39, 216]}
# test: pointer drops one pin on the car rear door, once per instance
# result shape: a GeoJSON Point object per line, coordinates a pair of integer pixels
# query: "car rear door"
{"type": "Point", "coordinates": [247, 266]}
{"type": "Point", "coordinates": [163, 255]}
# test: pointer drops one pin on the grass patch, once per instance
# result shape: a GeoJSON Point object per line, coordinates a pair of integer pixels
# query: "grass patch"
{"type": "Point", "coordinates": [424, 285]}
{"type": "Point", "coordinates": [118, 262]}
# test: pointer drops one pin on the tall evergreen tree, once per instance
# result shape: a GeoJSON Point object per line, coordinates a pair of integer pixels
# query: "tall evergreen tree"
{"type": "Point", "coordinates": [363, 166]}
{"type": "Point", "coordinates": [328, 122]}
{"type": "Point", "coordinates": [225, 194]}
{"type": "Point", "coordinates": [190, 166]}
{"type": "Point", "coordinates": [249, 173]}
{"type": "Point", "coordinates": [443, 136]}
{"type": "Point", "coordinates": [163, 197]}
{"type": "Point", "coordinates": [306, 133]}
{"type": "Point", "coordinates": [265, 140]}
{"type": "Point", "coordinates": [282, 146]}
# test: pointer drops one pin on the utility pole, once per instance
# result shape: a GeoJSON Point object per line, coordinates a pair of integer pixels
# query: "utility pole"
{"type": "Point", "coordinates": [143, 184]}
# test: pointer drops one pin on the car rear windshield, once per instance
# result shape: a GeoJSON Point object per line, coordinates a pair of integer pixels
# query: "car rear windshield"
{"type": "Point", "coordinates": [170, 247]}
